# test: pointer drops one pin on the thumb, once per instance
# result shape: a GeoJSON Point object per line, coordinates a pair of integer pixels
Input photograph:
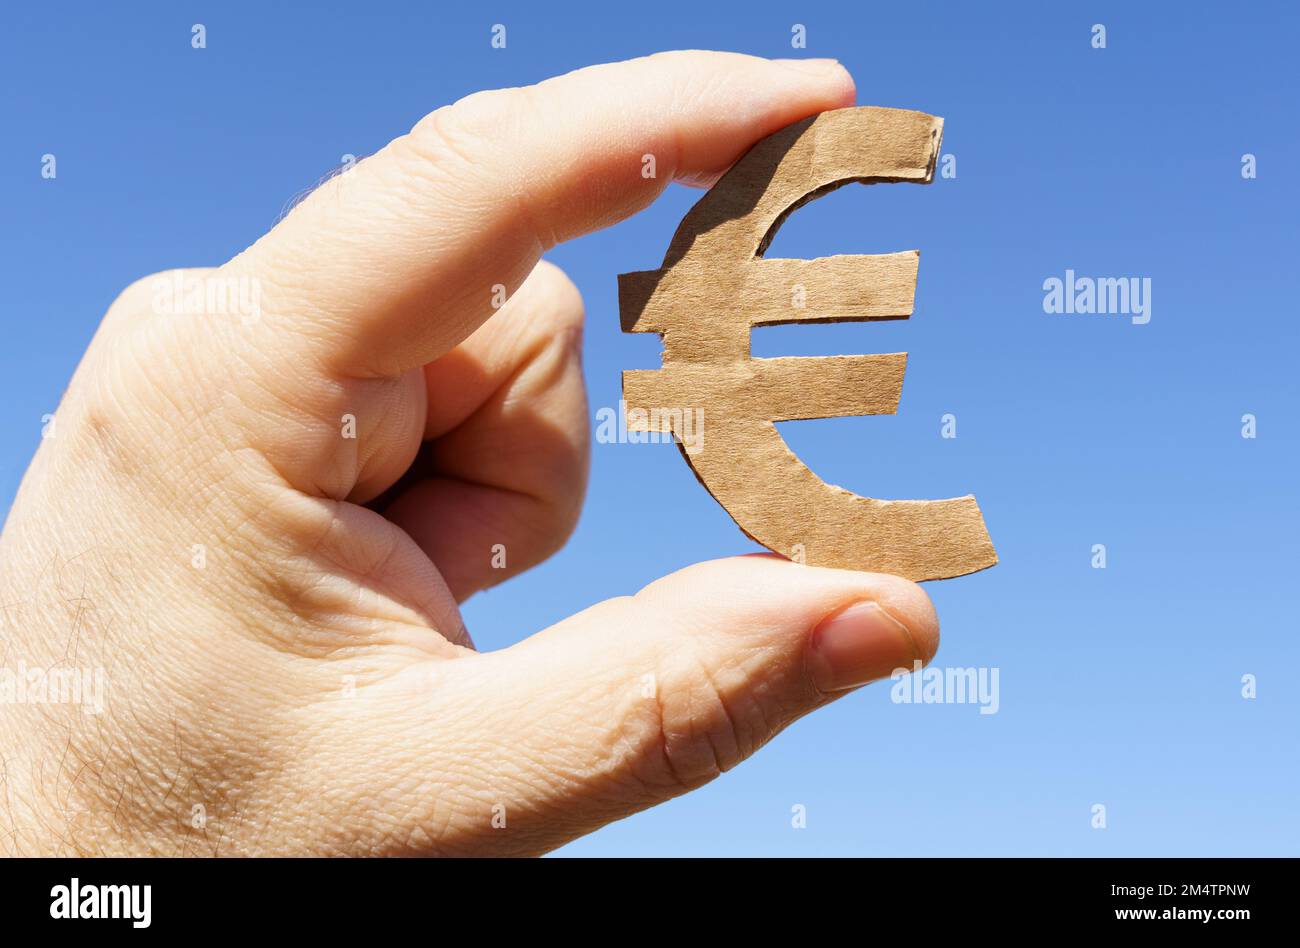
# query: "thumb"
{"type": "Point", "coordinates": [639, 699]}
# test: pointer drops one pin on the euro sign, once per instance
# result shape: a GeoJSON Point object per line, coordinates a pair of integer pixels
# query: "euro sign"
{"type": "Point", "coordinates": [715, 285]}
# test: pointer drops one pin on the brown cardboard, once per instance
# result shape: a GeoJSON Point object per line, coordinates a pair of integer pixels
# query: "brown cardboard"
{"type": "Point", "coordinates": [715, 285]}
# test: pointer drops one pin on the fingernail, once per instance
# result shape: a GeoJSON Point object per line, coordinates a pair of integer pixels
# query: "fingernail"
{"type": "Point", "coordinates": [856, 645]}
{"type": "Point", "coordinates": [811, 67]}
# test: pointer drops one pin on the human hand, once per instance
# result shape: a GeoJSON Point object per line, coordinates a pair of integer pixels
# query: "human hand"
{"type": "Point", "coordinates": [260, 529]}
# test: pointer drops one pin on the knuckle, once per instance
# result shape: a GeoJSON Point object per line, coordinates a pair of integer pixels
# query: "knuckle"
{"type": "Point", "coordinates": [547, 518]}
{"type": "Point", "coordinates": [140, 299]}
{"type": "Point", "coordinates": [459, 138]}
{"type": "Point", "coordinates": [565, 309]}
{"type": "Point", "coordinates": [142, 393]}
{"type": "Point", "coordinates": [469, 141]}
{"type": "Point", "coordinates": [130, 400]}
{"type": "Point", "coordinates": [692, 727]}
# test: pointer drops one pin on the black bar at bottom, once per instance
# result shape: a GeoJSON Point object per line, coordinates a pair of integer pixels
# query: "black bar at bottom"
{"type": "Point", "coordinates": [335, 897]}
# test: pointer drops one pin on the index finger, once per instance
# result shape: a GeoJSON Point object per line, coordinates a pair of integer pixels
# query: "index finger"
{"type": "Point", "coordinates": [392, 264]}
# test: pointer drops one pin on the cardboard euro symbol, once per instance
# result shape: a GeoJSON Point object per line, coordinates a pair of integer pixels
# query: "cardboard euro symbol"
{"type": "Point", "coordinates": [715, 285]}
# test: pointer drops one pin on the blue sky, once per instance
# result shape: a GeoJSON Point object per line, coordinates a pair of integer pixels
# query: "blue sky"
{"type": "Point", "coordinates": [1119, 686]}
